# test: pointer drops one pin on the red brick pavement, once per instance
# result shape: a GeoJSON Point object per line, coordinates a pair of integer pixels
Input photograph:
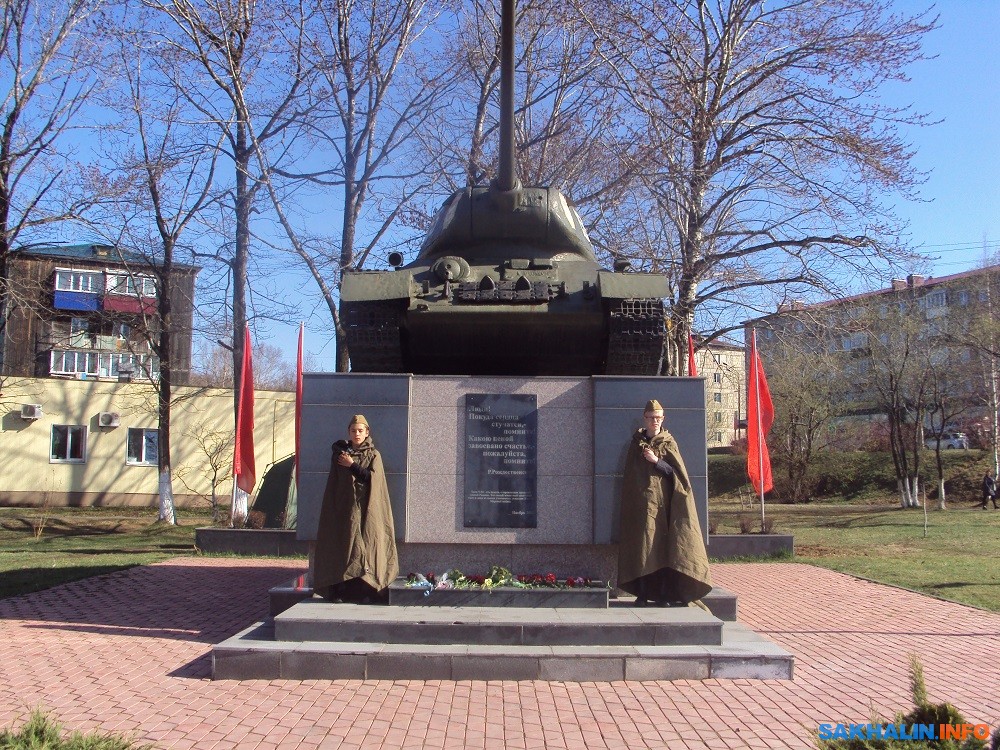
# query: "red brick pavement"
{"type": "Point", "coordinates": [130, 652]}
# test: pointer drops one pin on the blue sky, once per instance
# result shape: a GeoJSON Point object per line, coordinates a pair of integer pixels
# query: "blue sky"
{"type": "Point", "coordinates": [962, 153]}
{"type": "Point", "coordinates": [960, 208]}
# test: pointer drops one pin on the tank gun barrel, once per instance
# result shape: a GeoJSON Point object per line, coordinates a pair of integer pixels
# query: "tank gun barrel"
{"type": "Point", "coordinates": [506, 283]}
{"type": "Point", "coordinates": [506, 179]}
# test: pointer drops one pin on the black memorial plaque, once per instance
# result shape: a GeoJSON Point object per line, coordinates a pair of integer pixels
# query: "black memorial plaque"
{"type": "Point", "coordinates": [501, 461]}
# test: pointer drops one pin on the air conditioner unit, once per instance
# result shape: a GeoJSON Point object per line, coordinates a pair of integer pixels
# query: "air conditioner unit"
{"type": "Point", "coordinates": [31, 411]}
{"type": "Point", "coordinates": [109, 419]}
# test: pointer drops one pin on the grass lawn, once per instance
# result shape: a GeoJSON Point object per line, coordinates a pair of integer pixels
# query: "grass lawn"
{"type": "Point", "coordinates": [957, 559]}
{"type": "Point", "coordinates": [40, 548]}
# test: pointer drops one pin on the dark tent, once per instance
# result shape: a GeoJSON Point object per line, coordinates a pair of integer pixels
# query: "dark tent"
{"type": "Point", "coordinates": [276, 496]}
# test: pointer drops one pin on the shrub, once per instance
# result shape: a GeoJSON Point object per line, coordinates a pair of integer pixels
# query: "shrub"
{"type": "Point", "coordinates": [767, 526]}
{"type": "Point", "coordinates": [256, 519]}
{"type": "Point", "coordinates": [746, 524]}
{"type": "Point", "coordinates": [42, 732]}
{"type": "Point", "coordinates": [924, 712]}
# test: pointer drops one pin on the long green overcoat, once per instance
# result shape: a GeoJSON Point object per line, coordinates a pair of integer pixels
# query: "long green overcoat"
{"type": "Point", "coordinates": [356, 538]}
{"type": "Point", "coordinates": [661, 550]}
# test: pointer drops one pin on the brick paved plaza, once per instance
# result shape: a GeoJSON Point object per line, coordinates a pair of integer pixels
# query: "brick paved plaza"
{"type": "Point", "coordinates": [130, 652]}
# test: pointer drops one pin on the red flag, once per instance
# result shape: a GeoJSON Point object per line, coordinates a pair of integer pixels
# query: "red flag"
{"type": "Point", "coordinates": [298, 398]}
{"type": "Point", "coordinates": [244, 468]}
{"type": "Point", "coordinates": [760, 416]}
{"type": "Point", "coordinates": [692, 367]}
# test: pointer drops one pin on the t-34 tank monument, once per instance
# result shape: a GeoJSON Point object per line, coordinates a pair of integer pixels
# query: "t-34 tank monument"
{"type": "Point", "coordinates": [505, 283]}
{"type": "Point", "coordinates": [502, 374]}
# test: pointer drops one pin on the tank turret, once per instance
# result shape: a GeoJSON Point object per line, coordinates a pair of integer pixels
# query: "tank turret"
{"type": "Point", "coordinates": [505, 283]}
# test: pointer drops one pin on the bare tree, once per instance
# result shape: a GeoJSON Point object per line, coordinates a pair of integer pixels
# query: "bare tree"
{"type": "Point", "coordinates": [373, 91]}
{"type": "Point", "coordinates": [215, 445]}
{"type": "Point", "coordinates": [46, 56]}
{"type": "Point", "coordinates": [170, 177]}
{"type": "Point", "coordinates": [774, 151]}
{"type": "Point", "coordinates": [973, 329]}
{"type": "Point", "coordinates": [898, 383]}
{"type": "Point", "coordinates": [271, 371]}
{"type": "Point", "coordinates": [806, 382]}
{"type": "Point", "coordinates": [247, 59]}
{"type": "Point", "coordinates": [951, 396]}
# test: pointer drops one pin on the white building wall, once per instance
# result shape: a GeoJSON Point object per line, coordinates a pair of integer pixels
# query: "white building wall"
{"type": "Point", "coordinates": [202, 419]}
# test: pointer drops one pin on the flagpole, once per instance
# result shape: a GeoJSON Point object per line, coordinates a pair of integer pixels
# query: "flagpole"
{"type": "Point", "coordinates": [755, 369]}
{"type": "Point", "coordinates": [298, 398]}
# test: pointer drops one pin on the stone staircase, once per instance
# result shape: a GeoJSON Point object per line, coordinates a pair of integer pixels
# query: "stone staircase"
{"type": "Point", "coordinates": [529, 636]}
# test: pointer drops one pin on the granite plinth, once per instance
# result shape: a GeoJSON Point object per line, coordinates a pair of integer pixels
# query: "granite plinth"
{"type": "Point", "coordinates": [572, 598]}
{"type": "Point", "coordinates": [255, 654]}
{"type": "Point", "coordinates": [720, 602]}
{"type": "Point", "coordinates": [316, 620]}
{"type": "Point", "coordinates": [731, 546]}
{"type": "Point", "coordinates": [256, 542]}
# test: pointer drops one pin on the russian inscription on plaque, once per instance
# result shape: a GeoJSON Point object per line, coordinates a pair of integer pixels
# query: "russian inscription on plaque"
{"type": "Point", "coordinates": [501, 461]}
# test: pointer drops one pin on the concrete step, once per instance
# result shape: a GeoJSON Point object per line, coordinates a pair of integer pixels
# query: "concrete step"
{"type": "Point", "coordinates": [317, 620]}
{"type": "Point", "coordinates": [255, 654]}
{"type": "Point", "coordinates": [720, 602]}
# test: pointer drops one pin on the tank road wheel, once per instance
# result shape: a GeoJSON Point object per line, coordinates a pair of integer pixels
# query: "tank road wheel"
{"type": "Point", "coordinates": [373, 336]}
{"type": "Point", "coordinates": [636, 334]}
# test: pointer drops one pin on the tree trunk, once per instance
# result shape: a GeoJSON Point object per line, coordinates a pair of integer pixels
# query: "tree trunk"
{"type": "Point", "coordinates": [238, 511]}
{"type": "Point", "coordinates": [164, 391]}
{"type": "Point", "coordinates": [166, 492]}
{"type": "Point", "coordinates": [941, 497]}
{"type": "Point", "coordinates": [240, 258]}
{"type": "Point", "coordinates": [347, 247]}
{"type": "Point", "coordinates": [241, 502]}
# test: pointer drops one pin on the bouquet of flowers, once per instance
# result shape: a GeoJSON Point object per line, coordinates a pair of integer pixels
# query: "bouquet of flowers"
{"type": "Point", "coordinates": [497, 577]}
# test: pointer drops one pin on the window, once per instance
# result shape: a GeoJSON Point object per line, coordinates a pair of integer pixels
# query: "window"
{"type": "Point", "coordinates": [69, 443]}
{"type": "Point", "coordinates": [73, 363]}
{"type": "Point", "coordinates": [932, 300]}
{"type": "Point", "coordinates": [718, 437]}
{"type": "Point", "coordinates": [716, 377]}
{"type": "Point", "coordinates": [854, 341]}
{"type": "Point", "coordinates": [718, 416]}
{"type": "Point", "coordinates": [963, 297]}
{"type": "Point", "coordinates": [717, 397]}
{"type": "Point", "coordinates": [143, 447]}
{"type": "Point", "coordinates": [79, 281]}
{"type": "Point", "coordinates": [133, 285]}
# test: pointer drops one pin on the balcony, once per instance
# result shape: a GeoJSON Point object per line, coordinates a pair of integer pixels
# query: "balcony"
{"type": "Point", "coordinates": [97, 364]}
{"type": "Point", "coordinates": [129, 304]}
{"type": "Point", "coordinates": [80, 340]}
{"type": "Point", "coordinates": [77, 301]}
{"type": "Point", "coordinates": [113, 290]}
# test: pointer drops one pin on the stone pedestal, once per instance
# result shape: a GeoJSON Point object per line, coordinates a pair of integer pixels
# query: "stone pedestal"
{"type": "Point", "coordinates": [418, 424]}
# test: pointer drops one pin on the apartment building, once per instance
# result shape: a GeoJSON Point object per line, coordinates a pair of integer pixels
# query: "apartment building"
{"type": "Point", "coordinates": [88, 311]}
{"type": "Point", "coordinates": [933, 320]}
{"type": "Point", "coordinates": [723, 365]}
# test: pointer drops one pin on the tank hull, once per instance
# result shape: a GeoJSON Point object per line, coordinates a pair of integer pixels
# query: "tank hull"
{"type": "Point", "coordinates": [464, 331]}
{"type": "Point", "coordinates": [492, 341]}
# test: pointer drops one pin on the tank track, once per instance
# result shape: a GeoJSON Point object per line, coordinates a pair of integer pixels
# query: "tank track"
{"type": "Point", "coordinates": [636, 334]}
{"type": "Point", "coordinates": [373, 336]}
